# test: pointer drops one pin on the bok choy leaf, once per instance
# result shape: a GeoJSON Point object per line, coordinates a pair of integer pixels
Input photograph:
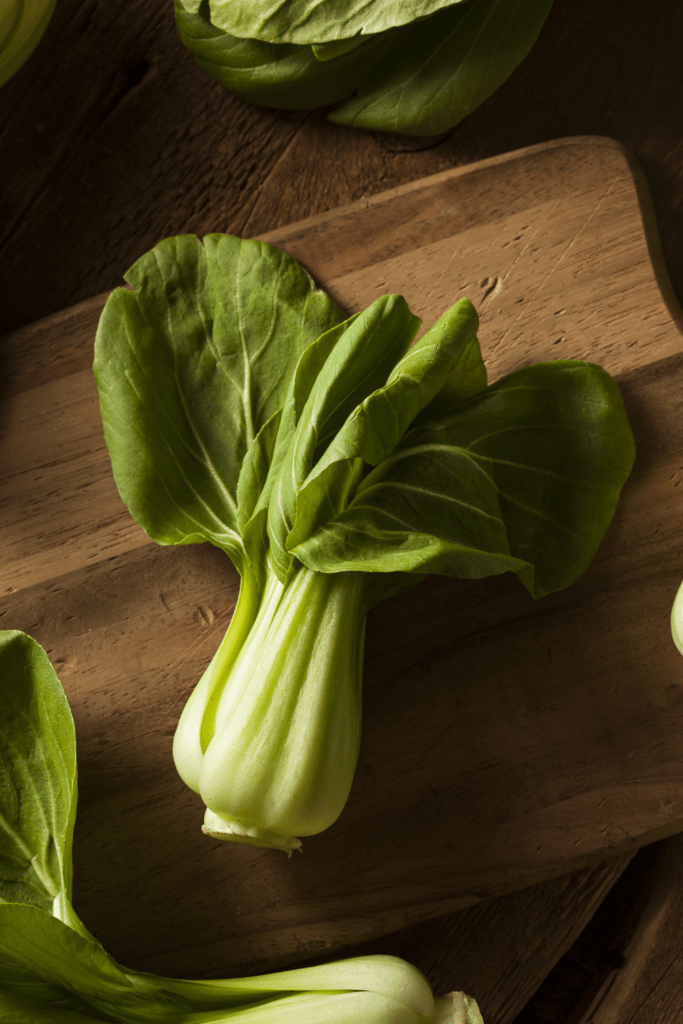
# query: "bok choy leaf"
{"type": "Point", "coordinates": [335, 462]}
{"type": "Point", "coordinates": [53, 971]}
{"type": "Point", "coordinates": [411, 66]}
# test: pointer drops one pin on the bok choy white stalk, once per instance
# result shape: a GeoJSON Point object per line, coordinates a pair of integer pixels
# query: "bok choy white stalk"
{"type": "Point", "coordinates": [335, 462]}
{"type": "Point", "coordinates": [53, 971]}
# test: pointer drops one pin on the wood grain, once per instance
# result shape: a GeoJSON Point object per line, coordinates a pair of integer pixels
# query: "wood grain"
{"type": "Point", "coordinates": [648, 987]}
{"type": "Point", "coordinates": [529, 755]}
{"type": "Point", "coordinates": [501, 949]}
{"type": "Point", "coordinates": [112, 138]}
{"type": "Point", "coordinates": [549, 245]}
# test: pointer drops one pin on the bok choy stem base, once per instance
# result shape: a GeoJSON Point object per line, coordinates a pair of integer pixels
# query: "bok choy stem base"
{"type": "Point", "coordinates": [283, 697]}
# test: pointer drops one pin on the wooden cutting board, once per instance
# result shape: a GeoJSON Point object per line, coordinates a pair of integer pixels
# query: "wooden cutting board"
{"type": "Point", "coordinates": [505, 741]}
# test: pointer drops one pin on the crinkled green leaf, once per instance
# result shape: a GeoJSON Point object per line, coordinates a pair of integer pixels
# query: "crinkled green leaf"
{"type": "Point", "coordinates": [467, 378]}
{"type": "Point", "coordinates": [37, 777]}
{"type": "Point", "coordinates": [378, 423]}
{"type": "Point", "coordinates": [315, 21]}
{"type": "Point", "coordinates": [190, 365]}
{"type": "Point", "coordinates": [524, 476]}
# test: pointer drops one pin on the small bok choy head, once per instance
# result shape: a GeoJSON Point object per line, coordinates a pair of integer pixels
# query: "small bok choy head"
{"type": "Point", "coordinates": [53, 971]}
{"type": "Point", "coordinates": [411, 66]}
{"type": "Point", "coordinates": [335, 463]}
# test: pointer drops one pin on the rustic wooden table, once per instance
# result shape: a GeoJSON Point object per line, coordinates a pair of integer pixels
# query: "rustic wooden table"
{"type": "Point", "coordinates": [112, 138]}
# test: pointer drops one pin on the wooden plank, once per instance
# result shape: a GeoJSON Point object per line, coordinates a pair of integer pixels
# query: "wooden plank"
{"type": "Point", "coordinates": [525, 754]}
{"type": "Point", "coordinates": [501, 950]}
{"type": "Point", "coordinates": [648, 985]}
{"type": "Point", "coordinates": [91, 177]}
{"type": "Point", "coordinates": [549, 245]}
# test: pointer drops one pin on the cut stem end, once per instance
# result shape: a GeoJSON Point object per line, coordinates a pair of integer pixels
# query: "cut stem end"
{"type": "Point", "coordinates": [229, 830]}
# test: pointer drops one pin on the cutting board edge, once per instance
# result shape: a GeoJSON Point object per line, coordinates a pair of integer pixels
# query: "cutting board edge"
{"type": "Point", "coordinates": [667, 292]}
{"type": "Point", "coordinates": [90, 306]}
{"type": "Point", "coordinates": [500, 159]}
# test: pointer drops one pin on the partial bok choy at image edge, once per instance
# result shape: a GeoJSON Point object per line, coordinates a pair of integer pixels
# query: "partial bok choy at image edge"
{"type": "Point", "coordinates": [22, 24]}
{"type": "Point", "coordinates": [53, 971]}
{"type": "Point", "coordinates": [677, 619]}
{"type": "Point", "coordinates": [335, 462]}
{"type": "Point", "coordinates": [411, 66]}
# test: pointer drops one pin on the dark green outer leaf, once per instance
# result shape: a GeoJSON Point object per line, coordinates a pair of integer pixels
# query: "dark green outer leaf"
{"type": "Point", "coordinates": [564, 453]}
{"type": "Point", "coordinates": [37, 776]}
{"type": "Point", "coordinates": [25, 998]}
{"type": "Point", "coordinates": [419, 79]}
{"type": "Point", "coordinates": [438, 71]}
{"type": "Point", "coordinates": [54, 953]}
{"type": "Point", "coordinates": [315, 21]}
{"type": "Point", "coordinates": [190, 366]}
{"type": "Point", "coordinates": [525, 476]}
{"type": "Point", "coordinates": [281, 75]}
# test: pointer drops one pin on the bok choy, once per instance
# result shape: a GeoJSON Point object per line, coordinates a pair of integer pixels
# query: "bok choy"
{"type": "Point", "coordinates": [411, 66]}
{"type": "Point", "coordinates": [335, 461]}
{"type": "Point", "coordinates": [53, 971]}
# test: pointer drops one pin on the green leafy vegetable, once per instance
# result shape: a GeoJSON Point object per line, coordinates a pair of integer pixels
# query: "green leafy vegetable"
{"type": "Point", "coordinates": [414, 67]}
{"type": "Point", "coordinates": [22, 23]}
{"type": "Point", "coordinates": [53, 971]}
{"type": "Point", "coordinates": [335, 463]}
